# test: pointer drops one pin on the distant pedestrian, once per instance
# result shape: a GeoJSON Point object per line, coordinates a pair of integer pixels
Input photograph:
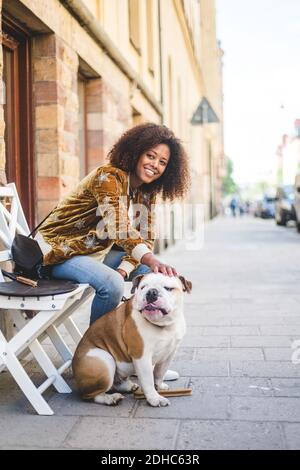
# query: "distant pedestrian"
{"type": "Point", "coordinates": [233, 206]}
{"type": "Point", "coordinates": [241, 208]}
{"type": "Point", "coordinates": [247, 207]}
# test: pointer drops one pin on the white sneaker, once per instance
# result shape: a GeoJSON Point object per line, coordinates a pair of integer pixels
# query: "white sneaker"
{"type": "Point", "coordinates": [171, 375]}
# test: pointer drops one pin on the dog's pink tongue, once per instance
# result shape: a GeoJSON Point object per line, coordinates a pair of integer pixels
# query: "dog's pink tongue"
{"type": "Point", "coordinates": [151, 309]}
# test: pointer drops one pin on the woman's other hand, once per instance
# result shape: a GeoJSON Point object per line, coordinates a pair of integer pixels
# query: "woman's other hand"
{"type": "Point", "coordinates": [157, 266]}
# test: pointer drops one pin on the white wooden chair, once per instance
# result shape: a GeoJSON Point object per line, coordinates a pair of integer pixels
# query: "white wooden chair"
{"type": "Point", "coordinates": [52, 312]}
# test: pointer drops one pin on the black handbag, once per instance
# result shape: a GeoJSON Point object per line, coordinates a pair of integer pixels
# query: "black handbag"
{"type": "Point", "coordinates": [27, 254]}
{"type": "Point", "coordinates": [30, 278]}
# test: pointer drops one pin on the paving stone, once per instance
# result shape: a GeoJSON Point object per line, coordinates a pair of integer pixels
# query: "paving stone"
{"type": "Point", "coordinates": [205, 341]}
{"type": "Point", "coordinates": [292, 433]}
{"type": "Point", "coordinates": [277, 301]}
{"type": "Point", "coordinates": [230, 330]}
{"type": "Point", "coordinates": [262, 320]}
{"type": "Point", "coordinates": [232, 435]}
{"type": "Point", "coordinates": [286, 387]}
{"type": "Point", "coordinates": [238, 386]}
{"type": "Point", "coordinates": [282, 330]}
{"type": "Point", "coordinates": [12, 399]}
{"type": "Point", "coordinates": [249, 309]}
{"type": "Point", "coordinates": [265, 409]}
{"type": "Point", "coordinates": [229, 354]}
{"type": "Point", "coordinates": [278, 354]}
{"type": "Point", "coordinates": [209, 300]}
{"type": "Point", "coordinates": [185, 354]}
{"type": "Point", "coordinates": [35, 431]}
{"type": "Point", "coordinates": [208, 369]}
{"type": "Point", "coordinates": [211, 307]}
{"type": "Point", "coordinates": [199, 319]}
{"type": "Point", "coordinates": [261, 341]}
{"type": "Point", "coordinates": [72, 405]}
{"type": "Point", "coordinates": [264, 369]}
{"type": "Point", "coordinates": [123, 433]}
{"type": "Point", "coordinates": [198, 405]}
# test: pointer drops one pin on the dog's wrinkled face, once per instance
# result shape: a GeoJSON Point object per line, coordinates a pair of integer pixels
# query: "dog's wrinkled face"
{"type": "Point", "coordinates": [159, 298]}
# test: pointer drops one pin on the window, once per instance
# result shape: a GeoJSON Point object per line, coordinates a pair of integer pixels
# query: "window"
{"type": "Point", "coordinates": [170, 84]}
{"type": "Point", "coordinates": [134, 23]}
{"type": "Point", "coordinates": [180, 124]}
{"type": "Point", "coordinates": [150, 35]}
{"type": "Point", "coordinates": [82, 125]}
{"type": "Point", "coordinates": [19, 166]}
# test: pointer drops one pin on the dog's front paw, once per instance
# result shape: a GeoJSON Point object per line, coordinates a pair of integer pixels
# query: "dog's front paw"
{"type": "Point", "coordinates": [162, 386]}
{"type": "Point", "coordinates": [134, 387]}
{"type": "Point", "coordinates": [126, 386]}
{"type": "Point", "coordinates": [158, 401]}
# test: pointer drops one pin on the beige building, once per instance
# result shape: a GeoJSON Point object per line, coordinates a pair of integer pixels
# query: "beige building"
{"type": "Point", "coordinates": [288, 157]}
{"type": "Point", "coordinates": [77, 73]}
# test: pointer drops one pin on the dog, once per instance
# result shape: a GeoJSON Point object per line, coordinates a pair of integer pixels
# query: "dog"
{"type": "Point", "coordinates": [140, 336]}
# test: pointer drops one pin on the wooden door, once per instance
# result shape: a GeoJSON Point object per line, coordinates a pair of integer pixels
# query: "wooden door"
{"type": "Point", "coordinates": [18, 113]}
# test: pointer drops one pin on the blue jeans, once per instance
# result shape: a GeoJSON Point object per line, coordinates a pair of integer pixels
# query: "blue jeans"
{"type": "Point", "coordinates": [103, 277]}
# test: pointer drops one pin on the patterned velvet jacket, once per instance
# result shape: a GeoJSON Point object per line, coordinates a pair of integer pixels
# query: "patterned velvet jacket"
{"type": "Point", "coordinates": [95, 216]}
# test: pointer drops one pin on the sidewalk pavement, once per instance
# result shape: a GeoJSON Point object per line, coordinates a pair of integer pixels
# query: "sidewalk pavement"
{"type": "Point", "coordinates": [243, 316]}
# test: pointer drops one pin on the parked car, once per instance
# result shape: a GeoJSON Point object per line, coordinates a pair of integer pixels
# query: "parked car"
{"type": "Point", "coordinates": [297, 201]}
{"type": "Point", "coordinates": [284, 205]}
{"type": "Point", "coordinates": [265, 207]}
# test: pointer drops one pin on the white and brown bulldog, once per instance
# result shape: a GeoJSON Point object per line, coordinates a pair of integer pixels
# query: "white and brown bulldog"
{"type": "Point", "coordinates": [140, 336]}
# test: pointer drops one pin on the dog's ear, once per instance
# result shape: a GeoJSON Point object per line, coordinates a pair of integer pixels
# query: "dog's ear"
{"type": "Point", "coordinates": [187, 285]}
{"type": "Point", "coordinates": [135, 282]}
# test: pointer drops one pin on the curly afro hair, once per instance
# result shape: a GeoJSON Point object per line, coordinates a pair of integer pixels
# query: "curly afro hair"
{"type": "Point", "coordinates": [174, 182]}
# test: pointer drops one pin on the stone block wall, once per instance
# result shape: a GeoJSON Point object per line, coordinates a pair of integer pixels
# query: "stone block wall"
{"type": "Point", "coordinates": [108, 116]}
{"type": "Point", "coordinates": [55, 68]}
{"type": "Point", "coordinates": [56, 109]}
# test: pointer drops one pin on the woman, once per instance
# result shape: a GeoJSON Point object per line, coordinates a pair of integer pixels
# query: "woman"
{"type": "Point", "coordinates": [89, 237]}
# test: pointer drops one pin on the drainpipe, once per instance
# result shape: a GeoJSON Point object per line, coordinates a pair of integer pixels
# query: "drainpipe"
{"type": "Point", "coordinates": [89, 23]}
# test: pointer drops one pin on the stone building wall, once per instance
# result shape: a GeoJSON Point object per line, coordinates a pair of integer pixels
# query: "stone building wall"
{"type": "Point", "coordinates": [57, 58]}
{"type": "Point", "coordinates": [2, 124]}
{"type": "Point", "coordinates": [108, 116]}
{"type": "Point", "coordinates": [62, 48]}
{"type": "Point", "coordinates": [55, 67]}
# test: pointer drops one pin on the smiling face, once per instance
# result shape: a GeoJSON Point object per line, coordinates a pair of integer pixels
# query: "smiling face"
{"type": "Point", "coordinates": [159, 298]}
{"type": "Point", "coordinates": [151, 165]}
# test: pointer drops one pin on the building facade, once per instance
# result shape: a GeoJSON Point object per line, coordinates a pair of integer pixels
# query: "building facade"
{"type": "Point", "coordinates": [75, 74]}
{"type": "Point", "coordinates": [288, 157]}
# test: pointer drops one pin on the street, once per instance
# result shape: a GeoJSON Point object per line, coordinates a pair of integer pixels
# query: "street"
{"type": "Point", "coordinates": [243, 317]}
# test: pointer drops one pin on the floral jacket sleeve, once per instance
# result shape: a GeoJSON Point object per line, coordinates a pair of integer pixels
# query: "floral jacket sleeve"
{"type": "Point", "coordinates": [110, 192]}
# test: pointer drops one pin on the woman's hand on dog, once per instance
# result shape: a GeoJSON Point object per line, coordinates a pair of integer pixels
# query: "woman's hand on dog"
{"type": "Point", "coordinates": [157, 266]}
{"type": "Point", "coordinates": [122, 272]}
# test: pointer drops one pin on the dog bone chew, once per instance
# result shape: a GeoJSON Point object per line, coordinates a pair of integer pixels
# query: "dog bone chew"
{"type": "Point", "coordinates": [172, 392]}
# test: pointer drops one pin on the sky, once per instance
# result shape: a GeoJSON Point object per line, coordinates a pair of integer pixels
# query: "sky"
{"type": "Point", "coordinates": [261, 73]}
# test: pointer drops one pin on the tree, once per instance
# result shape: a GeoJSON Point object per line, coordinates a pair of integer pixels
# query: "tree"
{"type": "Point", "coordinates": [229, 186]}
